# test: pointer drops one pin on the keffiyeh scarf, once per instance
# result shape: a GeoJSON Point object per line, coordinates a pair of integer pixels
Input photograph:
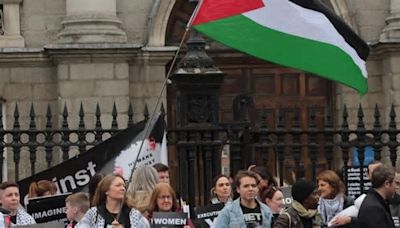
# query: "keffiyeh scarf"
{"type": "Point", "coordinates": [330, 207]}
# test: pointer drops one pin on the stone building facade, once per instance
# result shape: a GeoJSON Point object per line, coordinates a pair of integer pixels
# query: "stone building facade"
{"type": "Point", "coordinates": [64, 52]}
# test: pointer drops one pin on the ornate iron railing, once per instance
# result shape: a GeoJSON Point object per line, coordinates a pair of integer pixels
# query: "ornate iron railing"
{"type": "Point", "coordinates": [32, 141]}
{"type": "Point", "coordinates": [305, 151]}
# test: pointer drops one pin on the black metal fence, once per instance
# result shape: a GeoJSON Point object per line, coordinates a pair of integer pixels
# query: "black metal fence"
{"type": "Point", "coordinates": [32, 141]}
{"type": "Point", "coordinates": [283, 149]}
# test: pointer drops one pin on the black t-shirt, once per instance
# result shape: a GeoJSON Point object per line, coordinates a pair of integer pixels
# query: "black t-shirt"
{"type": "Point", "coordinates": [252, 216]}
{"type": "Point", "coordinates": [110, 217]}
{"type": "Point", "coordinates": [14, 219]}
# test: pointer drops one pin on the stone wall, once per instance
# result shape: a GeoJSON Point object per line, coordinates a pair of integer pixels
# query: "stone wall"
{"type": "Point", "coordinates": [41, 21]}
{"type": "Point", "coordinates": [58, 76]}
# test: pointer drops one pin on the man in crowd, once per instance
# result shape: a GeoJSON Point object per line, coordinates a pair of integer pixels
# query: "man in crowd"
{"type": "Point", "coordinates": [394, 204]}
{"type": "Point", "coordinates": [9, 199]}
{"type": "Point", "coordinates": [245, 211]}
{"type": "Point", "coordinates": [374, 210]}
{"type": "Point", "coordinates": [372, 166]}
{"type": "Point", "coordinates": [163, 172]}
{"type": "Point", "coordinates": [76, 204]}
{"type": "Point", "coordinates": [303, 211]}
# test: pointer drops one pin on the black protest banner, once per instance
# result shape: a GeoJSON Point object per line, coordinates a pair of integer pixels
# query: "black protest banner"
{"type": "Point", "coordinates": [353, 181]}
{"type": "Point", "coordinates": [48, 208]}
{"type": "Point", "coordinates": [74, 174]}
{"type": "Point", "coordinates": [205, 215]}
{"type": "Point", "coordinates": [396, 221]}
{"type": "Point", "coordinates": [44, 225]}
{"type": "Point", "coordinates": [287, 195]}
{"type": "Point", "coordinates": [169, 219]}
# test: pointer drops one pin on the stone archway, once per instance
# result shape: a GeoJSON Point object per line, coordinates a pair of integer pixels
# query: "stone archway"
{"type": "Point", "coordinates": [159, 21]}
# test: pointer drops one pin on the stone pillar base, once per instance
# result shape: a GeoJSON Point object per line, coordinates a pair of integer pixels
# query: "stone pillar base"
{"type": "Point", "coordinates": [12, 41]}
{"type": "Point", "coordinates": [92, 28]}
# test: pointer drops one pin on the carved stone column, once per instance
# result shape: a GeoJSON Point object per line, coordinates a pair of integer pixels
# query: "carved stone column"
{"type": "Point", "coordinates": [91, 21]}
{"type": "Point", "coordinates": [12, 29]}
{"type": "Point", "coordinates": [391, 33]}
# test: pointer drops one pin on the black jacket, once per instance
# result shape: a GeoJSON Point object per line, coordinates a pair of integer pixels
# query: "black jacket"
{"type": "Point", "coordinates": [374, 212]}
{"type": "Point", "coordinates": [394, 205]}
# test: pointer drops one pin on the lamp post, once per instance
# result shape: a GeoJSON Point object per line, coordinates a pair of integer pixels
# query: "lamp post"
{"type": "Point", "coordinates": [197, 82]}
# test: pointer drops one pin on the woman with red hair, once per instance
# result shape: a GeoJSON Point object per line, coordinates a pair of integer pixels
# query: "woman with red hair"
{"type": "Point", "coordinates": [164, 199]}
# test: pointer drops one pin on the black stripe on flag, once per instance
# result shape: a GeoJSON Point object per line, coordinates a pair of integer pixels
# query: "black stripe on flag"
{"type": "Point", "coordinates": [348, 34]}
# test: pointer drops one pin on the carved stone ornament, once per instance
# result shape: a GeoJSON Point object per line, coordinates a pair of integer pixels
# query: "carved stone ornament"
{"type": "Point", "coordinates": [199, 109]}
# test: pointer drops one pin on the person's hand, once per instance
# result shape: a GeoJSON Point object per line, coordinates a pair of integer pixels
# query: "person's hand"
{"type": "Point", "coordinates": [341, 220]}
{"type": "Point", "coordinates": [115, 224]}
{"type": "Point", "coordinates": [186, 226]}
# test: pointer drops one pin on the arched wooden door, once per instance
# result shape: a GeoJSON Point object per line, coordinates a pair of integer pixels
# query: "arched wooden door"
{"type": "Point", "coordinates": [251, 86]}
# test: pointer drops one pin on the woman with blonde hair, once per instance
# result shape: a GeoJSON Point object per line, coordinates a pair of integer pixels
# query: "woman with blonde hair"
{"type": "Point", "coordinates": [333, 200]}
{"type": "Point", "coordinates": [163, 199]}
{"type": "Point", "coordinates": [141, 187]}
{"type": "Point", "coordinates": [110, 207]}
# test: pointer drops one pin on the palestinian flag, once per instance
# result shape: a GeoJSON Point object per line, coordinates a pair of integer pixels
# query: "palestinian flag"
{"type": "Point", "coordinates": [301, 34]}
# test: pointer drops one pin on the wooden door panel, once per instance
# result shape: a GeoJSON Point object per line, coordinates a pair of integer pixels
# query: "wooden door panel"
{"type": "Point", "coordinates": [315, 86]}
{"type": "Point", "coordinates": [290, 84]}
{"type": "Point", "coordinates": [265, 85]}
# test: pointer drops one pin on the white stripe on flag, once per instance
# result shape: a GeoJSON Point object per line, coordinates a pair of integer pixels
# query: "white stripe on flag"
{"type": "Point", "coordinates": [302, 22]}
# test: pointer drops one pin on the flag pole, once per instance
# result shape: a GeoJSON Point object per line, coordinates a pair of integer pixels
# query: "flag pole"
{"type": "Point", "coordinates": [166, 80]}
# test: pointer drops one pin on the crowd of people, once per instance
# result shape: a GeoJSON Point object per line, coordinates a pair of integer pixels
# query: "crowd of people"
{"type": "Point", "coordinates": [252, 199]}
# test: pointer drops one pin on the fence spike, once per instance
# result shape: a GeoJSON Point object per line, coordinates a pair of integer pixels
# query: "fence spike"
{"type": "Point", "coordinates": [32, 124]}
{"type": "Point", "coordinates": [114, 123]}
{"type": "Point", "coordinates": [377, 116]}
{"type": "Point", "coordinates": [360, 115]}
{"type": "Point", "coordinates": [345, 140]}
{"type": "Point", "coordinates": [81, 117]}
{"type": "Point", "coordinates": [146, 112]}
{"type": "Point", "coordinates": [49, 124]}
{"type": "Point", "coordinates": [377, 134]}
{"type": "Point", "coordinates": [162, 109]}
{"type": "Point", "coordinates": [392, 123]}
{"type": "Point", "coordinates": [98, 115]}
{"type": "Point", "coordinates": [16, 117]}
{"type": "Point", "coordinates": [130, 115]}
{"type": "Point", "coordinates": [393, 136]}
{"type": "Point", "coordinates": [345, 115]}
{"type": "Point", "coordinates": [65, 117]}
